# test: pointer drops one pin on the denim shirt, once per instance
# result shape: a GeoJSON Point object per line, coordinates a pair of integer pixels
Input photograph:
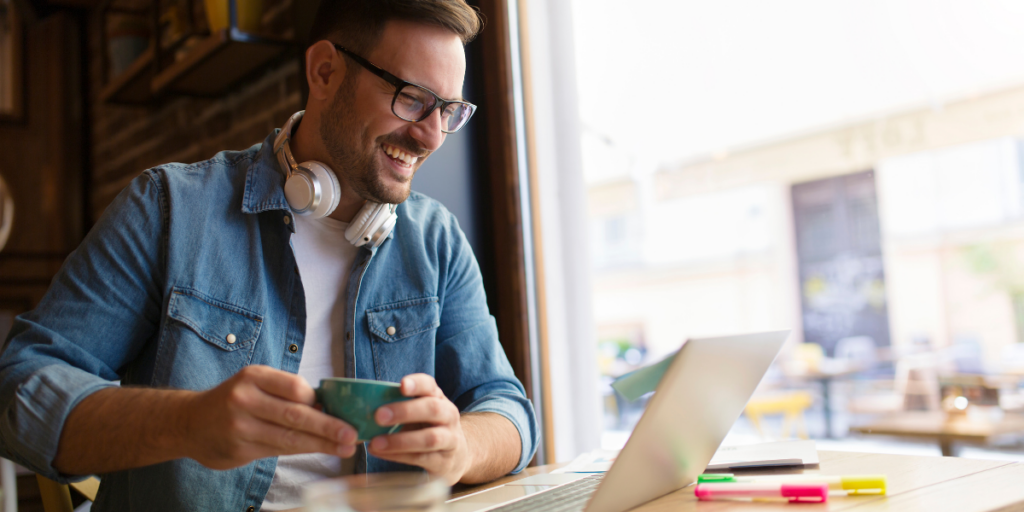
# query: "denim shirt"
{"type": "Point", "coordinates": [188, 254]}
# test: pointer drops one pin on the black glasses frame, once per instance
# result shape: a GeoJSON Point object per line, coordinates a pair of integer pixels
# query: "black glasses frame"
{"type": "Point", "coordinates": [400, 84]}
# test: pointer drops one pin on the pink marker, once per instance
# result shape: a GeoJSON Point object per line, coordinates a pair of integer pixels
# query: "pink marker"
{"type": "Point", "coordinates": [814, 492]}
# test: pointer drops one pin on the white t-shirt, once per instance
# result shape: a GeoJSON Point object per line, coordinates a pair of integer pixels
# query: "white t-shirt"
{"type": "Point", "coordinates": [325, 259]}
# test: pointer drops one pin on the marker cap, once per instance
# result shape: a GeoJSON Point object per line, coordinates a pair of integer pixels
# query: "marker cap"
{"type": "Point", "coordinates": [715, 477]}
{"type": "Point", "coordinates": [803, 491]}
{"type": "Point", "coordinates": [864, 484]}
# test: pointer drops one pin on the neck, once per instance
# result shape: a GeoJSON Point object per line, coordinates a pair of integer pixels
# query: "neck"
{"type": "Point", "coordinates": [307, 145]}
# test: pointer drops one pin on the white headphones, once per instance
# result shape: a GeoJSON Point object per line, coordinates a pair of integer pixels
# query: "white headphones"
{"type": "Point", "coordinates": [311, 188]}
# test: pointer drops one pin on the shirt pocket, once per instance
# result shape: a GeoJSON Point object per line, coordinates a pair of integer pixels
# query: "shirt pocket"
{"type": "Point", "coordinates": [204, 341]}
{"type": "Point", "coordinates": [400, 320]}
{"type": "Point", "coordinates": [403, 337]}
{"type": "Point", "coordinates": [221, 324]}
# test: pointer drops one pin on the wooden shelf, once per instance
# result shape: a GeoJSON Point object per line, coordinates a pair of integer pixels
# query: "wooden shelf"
{"type": "Point", "coordinates": [215, 65]}
{"type": "Point", "coordinates": [133, 86]}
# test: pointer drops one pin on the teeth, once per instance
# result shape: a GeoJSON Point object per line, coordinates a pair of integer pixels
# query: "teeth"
{"type": "Point", "coordinates": [398, 154]}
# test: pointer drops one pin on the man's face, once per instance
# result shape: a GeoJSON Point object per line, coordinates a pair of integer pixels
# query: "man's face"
{"type": "Point", "coordinates": [372, 149]}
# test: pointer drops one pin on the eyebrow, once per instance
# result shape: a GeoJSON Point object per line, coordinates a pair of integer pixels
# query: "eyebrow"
{"type": "Point", "coordinates": [419, 84]}
{"type": "Point", "coordinates": [383, 74]}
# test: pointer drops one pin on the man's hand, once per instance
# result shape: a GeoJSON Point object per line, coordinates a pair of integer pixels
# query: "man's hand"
{"type": "Point", "coordinates": [261, 412]}
{"type": "Point", "coordinates": [433, 436]}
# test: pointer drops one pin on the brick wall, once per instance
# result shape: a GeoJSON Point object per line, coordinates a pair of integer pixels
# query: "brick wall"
{"type": "Point", "coordinates": [127, 140]}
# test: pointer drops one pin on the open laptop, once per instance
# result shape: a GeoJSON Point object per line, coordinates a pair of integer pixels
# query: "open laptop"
{"type": "Point", "coordinates": [699, 398]}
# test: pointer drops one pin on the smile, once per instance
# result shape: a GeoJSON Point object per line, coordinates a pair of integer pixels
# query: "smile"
{"type": "Point", "coordinates": [398, 155]}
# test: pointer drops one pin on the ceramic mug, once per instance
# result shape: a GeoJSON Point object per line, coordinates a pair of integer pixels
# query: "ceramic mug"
{"type": "Point", "coordinates": [356, 401]}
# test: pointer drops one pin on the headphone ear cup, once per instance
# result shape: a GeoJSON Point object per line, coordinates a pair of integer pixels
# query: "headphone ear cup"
{"type": "Point", "coordinates": [387, 225]}
{"type": "Point", "coordinates": [300, 189]}
{"type": "Point", "coordinates": [371, 225]}
{"type": "Point", "coordinates": [374, 234]}
{"type": "Point", "coordinates": [358, 229]}
{"type": "Point", "coordinates": [330, 189]}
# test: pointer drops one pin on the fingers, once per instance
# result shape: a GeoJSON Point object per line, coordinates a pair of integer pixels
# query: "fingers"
{"type": "Point", "coordinates": [429, 409]}
{"type": "Point", "coordinates": [420, 384]}
{"type": "Point", "coordinates": [436, 463]}
{"type": "Point", "coordinates": [279, 383]}
{"type": "Point", "coordinates": [435, 449]}
{"type": "Point", "coordinates": [265, 394]}
{"type": "Point", "coordinates": [295, 416]}
{"type": "Point", "coordinates": [435, 442]}
{"type": "Point", "coordinates": [427, 440]}
{"type": "Point", "coordinates": [432, 407]}
{"type": "Point", "coordinates": [277, 440]}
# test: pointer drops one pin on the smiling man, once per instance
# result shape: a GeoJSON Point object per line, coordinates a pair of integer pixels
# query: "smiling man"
{"type": "Point", "coordinates": [217, 295]}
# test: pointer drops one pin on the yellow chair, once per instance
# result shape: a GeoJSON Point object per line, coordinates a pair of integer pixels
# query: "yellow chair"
{"type": "Point", "coordinates": [57, 497]}
{"type": "Point", "coordinates": [791, 405]}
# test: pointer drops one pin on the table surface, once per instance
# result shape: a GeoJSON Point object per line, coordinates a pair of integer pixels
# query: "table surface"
{"type": "Point", "coordinates": [915, 484]}
{"type": "Point", "coordinates": [935, 424]}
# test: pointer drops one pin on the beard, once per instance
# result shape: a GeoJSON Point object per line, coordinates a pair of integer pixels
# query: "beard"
{"type": "Point", "coordinates": [356, 160]}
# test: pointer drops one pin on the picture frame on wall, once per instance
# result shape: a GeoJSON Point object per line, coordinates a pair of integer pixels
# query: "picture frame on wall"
{"type": "Point", "coordinates": [12, 63]}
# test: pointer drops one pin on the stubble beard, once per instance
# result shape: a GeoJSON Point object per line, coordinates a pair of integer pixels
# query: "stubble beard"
{"type": "Point", "coordinates": [340, 133]}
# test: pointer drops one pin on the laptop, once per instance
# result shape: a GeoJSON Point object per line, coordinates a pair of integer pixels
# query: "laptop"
{"type": "Point", "coordinates": [701, 395]}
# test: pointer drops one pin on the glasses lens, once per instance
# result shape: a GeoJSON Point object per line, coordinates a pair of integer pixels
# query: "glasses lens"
{"type": "Point", "coordinates": [413, 103]}
{"type": "Point", "coordinates": [456, 115]}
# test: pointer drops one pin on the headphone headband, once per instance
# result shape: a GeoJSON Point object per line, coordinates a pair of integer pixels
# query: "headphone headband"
{"type": "Point", "coordinates": [283, 147]}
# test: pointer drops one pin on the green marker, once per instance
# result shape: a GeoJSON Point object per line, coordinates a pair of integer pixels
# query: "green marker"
{"type": "Point", "coordinates": [720, 478]}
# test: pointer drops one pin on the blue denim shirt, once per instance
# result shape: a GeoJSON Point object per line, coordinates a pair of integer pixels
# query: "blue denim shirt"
{"type": "Point", "coordinates": [188, 254]}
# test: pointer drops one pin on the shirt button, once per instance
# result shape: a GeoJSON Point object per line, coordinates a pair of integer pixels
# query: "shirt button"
{"type": "Point", "coordinates": [348, 335]}
{"type": "Point", "coordinates": [287, 219]}
{"type": "Point", "coordinates": [391, 331]}
{"type": "Point", "coordinates": [231, 338]}
{"type": "Point", "coordinates": [293, 348]}
{"type": "Point", "coordinates": [250, 509]}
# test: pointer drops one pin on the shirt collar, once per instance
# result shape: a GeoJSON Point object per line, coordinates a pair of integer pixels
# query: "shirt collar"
{"type": "Point", "coordinates": [264, 181]}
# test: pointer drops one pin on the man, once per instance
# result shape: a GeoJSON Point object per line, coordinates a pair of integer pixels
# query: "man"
{"type": "Point", "coordinates": [203, 294]}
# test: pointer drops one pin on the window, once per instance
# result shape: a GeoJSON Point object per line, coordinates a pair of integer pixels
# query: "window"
{"type": "Point", "coordinates": [849, 170]}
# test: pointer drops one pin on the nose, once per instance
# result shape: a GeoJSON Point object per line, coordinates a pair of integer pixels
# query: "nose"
{"type": "Point", "coordinates": [428, 131]}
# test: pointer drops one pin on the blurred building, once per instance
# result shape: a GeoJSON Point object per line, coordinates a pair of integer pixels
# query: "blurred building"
{"type": "Point", "coordinates": [935, 197]}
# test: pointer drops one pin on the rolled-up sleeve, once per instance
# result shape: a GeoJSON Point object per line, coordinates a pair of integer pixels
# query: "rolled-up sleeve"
{"type": "Point", "coordinates": [32, 425]}
{"type": "Point", "coordinates": [101, 309]}
{"type": "Point", "coordinates": [472, 368]}
{"type": "Point", "coordinates": [516, 408]}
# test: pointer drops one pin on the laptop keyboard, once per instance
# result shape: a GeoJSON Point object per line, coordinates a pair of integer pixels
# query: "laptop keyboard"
{"type": "Point", "coordinates": [570, 497]}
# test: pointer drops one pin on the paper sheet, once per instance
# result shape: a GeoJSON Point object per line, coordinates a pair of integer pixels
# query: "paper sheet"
{"type": "Point", "coordinates": [596, 461]}
{"type": "Point", "coordinates": [779, 453]}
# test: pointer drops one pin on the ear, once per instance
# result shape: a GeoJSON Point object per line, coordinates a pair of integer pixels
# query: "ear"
{"type": "Point", "coordinates": [325, 70]}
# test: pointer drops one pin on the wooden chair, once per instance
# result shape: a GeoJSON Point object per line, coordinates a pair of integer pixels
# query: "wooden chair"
{"type": "Point", "coordinates": [916, 387]}
{"type": "Point", "coordinates": [57, 497]}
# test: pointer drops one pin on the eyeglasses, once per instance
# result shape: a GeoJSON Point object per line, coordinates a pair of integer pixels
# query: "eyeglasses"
{"type": "Point", "coordinates": [415, 103]}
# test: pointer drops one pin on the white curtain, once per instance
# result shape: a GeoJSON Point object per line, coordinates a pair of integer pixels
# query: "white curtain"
{"type": "Point", "coordinates": [576, 402]}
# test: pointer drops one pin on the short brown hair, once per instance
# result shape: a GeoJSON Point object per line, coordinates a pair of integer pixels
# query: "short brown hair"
{"type": "Point", "coordinates": [359, 24]}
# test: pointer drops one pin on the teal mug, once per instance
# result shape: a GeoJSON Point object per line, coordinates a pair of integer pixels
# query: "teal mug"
{"type": "Point", "coordinates": [356, 401]}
